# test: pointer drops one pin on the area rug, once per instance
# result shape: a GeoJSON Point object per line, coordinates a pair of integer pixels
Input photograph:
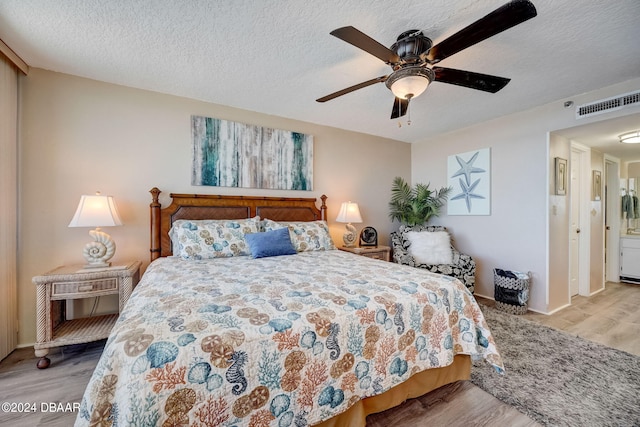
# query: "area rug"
{"type": "Point", "coordinates": [558, 379]}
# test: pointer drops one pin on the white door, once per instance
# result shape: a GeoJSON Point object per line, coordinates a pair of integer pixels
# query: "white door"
{"type": "Point", "coordinates": [611, 221]}
{"type": "Point", "coordinates": [575, 192]}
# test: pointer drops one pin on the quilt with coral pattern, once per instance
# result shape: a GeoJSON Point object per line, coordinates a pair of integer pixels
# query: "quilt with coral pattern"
{"type": "Point", "coordinates": [280, 341]}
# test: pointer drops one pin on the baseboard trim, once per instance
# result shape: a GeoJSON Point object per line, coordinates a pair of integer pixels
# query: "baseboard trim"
{"type": "Point", "coordinates": [26, 345]}
{"type": "Point", "coordinates": [528, 308]}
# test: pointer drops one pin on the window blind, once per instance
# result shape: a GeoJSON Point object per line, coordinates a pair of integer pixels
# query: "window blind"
{"type": "Point", "coordinates": [8, 205]}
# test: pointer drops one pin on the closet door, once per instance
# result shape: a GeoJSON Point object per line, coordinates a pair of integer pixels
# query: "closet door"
{"type": "Point", "coordinates": [8, 206]}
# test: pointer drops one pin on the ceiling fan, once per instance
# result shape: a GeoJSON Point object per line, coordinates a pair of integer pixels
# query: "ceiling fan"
{"type": "Point", "coordinates": [413, 55]}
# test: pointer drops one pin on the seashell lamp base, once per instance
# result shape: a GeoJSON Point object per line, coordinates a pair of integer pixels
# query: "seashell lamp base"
{"type": "Point", "coordinates": [97, 265]}
{"type": "Point", "coordinates": [349, 237]}
{"type": "Point", "coordinates": [100, 251]}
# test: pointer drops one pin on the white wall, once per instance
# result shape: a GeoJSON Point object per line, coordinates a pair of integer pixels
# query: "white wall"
{"type": "Point", "coordinates": [633, 171]}
{"type": "Point", "coordinates": [515, 235]}
{"type": "Point", "coordinates": [79, 136]}
{"type": "Point", "coordinates": [558, 226]}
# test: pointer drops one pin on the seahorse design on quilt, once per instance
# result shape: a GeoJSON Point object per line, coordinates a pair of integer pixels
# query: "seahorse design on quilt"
{"type": "Point", "coordinates": [397, 319]}
{"type": "Point", "coordinates": [332, 341]}
{"type": "Point", "coordinates": [235, 373]}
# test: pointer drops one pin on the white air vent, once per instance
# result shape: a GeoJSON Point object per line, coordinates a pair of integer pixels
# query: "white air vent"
{"type": "Point", "coordinates": [607, 105]}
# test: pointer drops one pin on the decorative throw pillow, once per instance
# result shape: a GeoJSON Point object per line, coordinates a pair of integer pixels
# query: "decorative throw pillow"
{"type": "Point", "coordinates": [270, 243]}
{"type": "Point", "coordinates": [430, 247]}
{"type": "Point", "coordinates": [209, 238]}
{"type": "Point", "coordinates": [305, 236]}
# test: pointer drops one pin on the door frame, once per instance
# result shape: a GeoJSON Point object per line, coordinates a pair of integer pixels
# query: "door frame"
{"type": "Point", "coordinates": [612, 212]}
{"type": "Point", "coordinates": [585, 221]}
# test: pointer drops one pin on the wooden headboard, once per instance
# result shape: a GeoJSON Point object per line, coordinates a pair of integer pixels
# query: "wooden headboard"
{"type": "Point", "coordinates": [205, 206]}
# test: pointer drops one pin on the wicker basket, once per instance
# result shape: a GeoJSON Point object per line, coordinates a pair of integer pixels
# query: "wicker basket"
{"type": "Point", "coordinates": [511, 290]}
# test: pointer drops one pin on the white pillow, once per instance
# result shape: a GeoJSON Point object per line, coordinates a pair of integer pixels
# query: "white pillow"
{"type": "Point", "coordinates": [430, 247]}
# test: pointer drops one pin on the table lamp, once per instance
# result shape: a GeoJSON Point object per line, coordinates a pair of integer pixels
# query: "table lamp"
{"type": "Point", "coordinates": [97, 211]}
{"type": "Point", "coordinates": [349, 212]}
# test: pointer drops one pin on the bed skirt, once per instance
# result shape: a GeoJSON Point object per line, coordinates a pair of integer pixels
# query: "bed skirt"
{"type": "Point", "coordinates": [418, 385]}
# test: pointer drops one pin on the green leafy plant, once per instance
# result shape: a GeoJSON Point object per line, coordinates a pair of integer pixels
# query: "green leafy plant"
{"type": "Point", "coordinates": [415, 206]}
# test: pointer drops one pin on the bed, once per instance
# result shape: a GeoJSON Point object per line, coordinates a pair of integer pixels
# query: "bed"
{"type": "Point", "coordinates": [316, 337]}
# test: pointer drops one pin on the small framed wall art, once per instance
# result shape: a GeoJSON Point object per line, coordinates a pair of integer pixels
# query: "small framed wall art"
{"type": "Point", "coordinates": [596, 182]}
{"type": "Point", "coordinates": [561, 176]}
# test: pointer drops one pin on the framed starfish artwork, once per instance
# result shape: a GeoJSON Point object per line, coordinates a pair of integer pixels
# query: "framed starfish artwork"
{"type": "Point", "coordinates": [469, 176]}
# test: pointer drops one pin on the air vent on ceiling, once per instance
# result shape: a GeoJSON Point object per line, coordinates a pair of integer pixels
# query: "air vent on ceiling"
{"type": "Point", "coordinates": [607, 105]}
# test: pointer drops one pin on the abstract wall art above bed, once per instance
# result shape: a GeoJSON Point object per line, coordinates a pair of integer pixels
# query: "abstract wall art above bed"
{"type": "Point", "coordinates": [231, 154]}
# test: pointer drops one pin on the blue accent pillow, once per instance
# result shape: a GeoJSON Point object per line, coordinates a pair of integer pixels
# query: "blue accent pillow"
{"type": "Point", "coordinates": [270, 243]}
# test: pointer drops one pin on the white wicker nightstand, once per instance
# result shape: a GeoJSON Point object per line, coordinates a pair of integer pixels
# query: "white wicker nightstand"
{"type": "Point", "coordinates": [75, 282]}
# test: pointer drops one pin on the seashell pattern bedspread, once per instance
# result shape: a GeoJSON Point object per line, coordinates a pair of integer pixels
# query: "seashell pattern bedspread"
{"type": "Point", "coordinates": [281, 341]}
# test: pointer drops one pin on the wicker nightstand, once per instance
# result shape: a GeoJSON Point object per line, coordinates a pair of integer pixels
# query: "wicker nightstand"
{"type": "Point", "coordinates": [375, 252]}
{"type": "Point", "coordinates": [75, 282]}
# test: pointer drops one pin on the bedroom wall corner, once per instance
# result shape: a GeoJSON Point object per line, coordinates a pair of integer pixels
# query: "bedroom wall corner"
{"type": "Point", "coordinates": [507, 238]}
{"type": "Point", "coordinates": [79, 136]}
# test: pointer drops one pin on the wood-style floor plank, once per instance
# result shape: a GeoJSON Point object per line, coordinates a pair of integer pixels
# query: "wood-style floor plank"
{"type": "Point", "coordinates": [457, 404]}
{"type": "Point", "coordinates": [610, 317]}
{"type": "Point", "coordinates": [64, 382]}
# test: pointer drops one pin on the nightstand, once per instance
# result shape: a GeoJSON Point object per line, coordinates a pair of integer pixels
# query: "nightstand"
{"type": "Point", "coordinates": [376, 252]}
{"type": "Point", "coordinates": [76, 282]}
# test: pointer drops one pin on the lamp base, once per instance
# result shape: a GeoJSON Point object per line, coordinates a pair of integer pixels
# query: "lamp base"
{"type": "Point", "coordinates": [349, 237]}
{"type": "Point", "coordinates": [100, 251]}
{"type": "Point", "coordinates": [97, 265]}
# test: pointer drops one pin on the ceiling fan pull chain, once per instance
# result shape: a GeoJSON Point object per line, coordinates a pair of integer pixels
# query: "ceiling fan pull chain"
{"type": "Point", "coordinates": [409, 115]}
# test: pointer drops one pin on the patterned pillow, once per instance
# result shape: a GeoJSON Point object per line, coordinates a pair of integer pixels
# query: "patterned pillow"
{"type": "Point", "coordinates": [305, 236]}
{"type": "Point", "coordinates": [209, 238]}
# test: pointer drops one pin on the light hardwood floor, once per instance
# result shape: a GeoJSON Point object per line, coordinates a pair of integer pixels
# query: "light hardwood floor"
{"type": "Point", "coordinates": [610, 318]}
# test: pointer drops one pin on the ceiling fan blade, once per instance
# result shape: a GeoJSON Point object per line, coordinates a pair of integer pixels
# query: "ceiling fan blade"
{"type": "Point", "coordinates": [501, 19]}
{"type": "Point", "coordinates": [469, 79]}
{"type": "Point", "coordinates": [400, 107]}
{"type": "Point", "coordinates": [366, 43]}
{"type": "Point", "coordinates": [352, 88]}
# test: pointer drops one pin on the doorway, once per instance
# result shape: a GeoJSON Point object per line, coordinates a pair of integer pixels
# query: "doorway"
{"type": "Point", "coordinates": [602, 138]}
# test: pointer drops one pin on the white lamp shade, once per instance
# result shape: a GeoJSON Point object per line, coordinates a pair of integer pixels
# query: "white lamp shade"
{"type": "Point", "coordinates": [630, 137]}
{"type": "Point", "coordinates": [410, 85]}
{"type": "Point", "coordinates": [96, 211]}
{"type": "Point", "coordinates": [349, 212]}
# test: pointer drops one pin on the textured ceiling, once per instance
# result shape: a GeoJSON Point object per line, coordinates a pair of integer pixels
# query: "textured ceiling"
{"type": "Point", "coordinates": [277, 57]}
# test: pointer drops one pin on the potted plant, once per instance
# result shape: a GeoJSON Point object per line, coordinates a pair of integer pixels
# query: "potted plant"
{"type": "Point", "coordinates": [415, 206]}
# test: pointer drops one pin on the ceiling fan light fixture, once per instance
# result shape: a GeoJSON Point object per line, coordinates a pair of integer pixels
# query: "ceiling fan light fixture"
{"type": "Point", "coordinates": [409, 82]}
{"type": "Point", "coordinates": [630, 137]}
